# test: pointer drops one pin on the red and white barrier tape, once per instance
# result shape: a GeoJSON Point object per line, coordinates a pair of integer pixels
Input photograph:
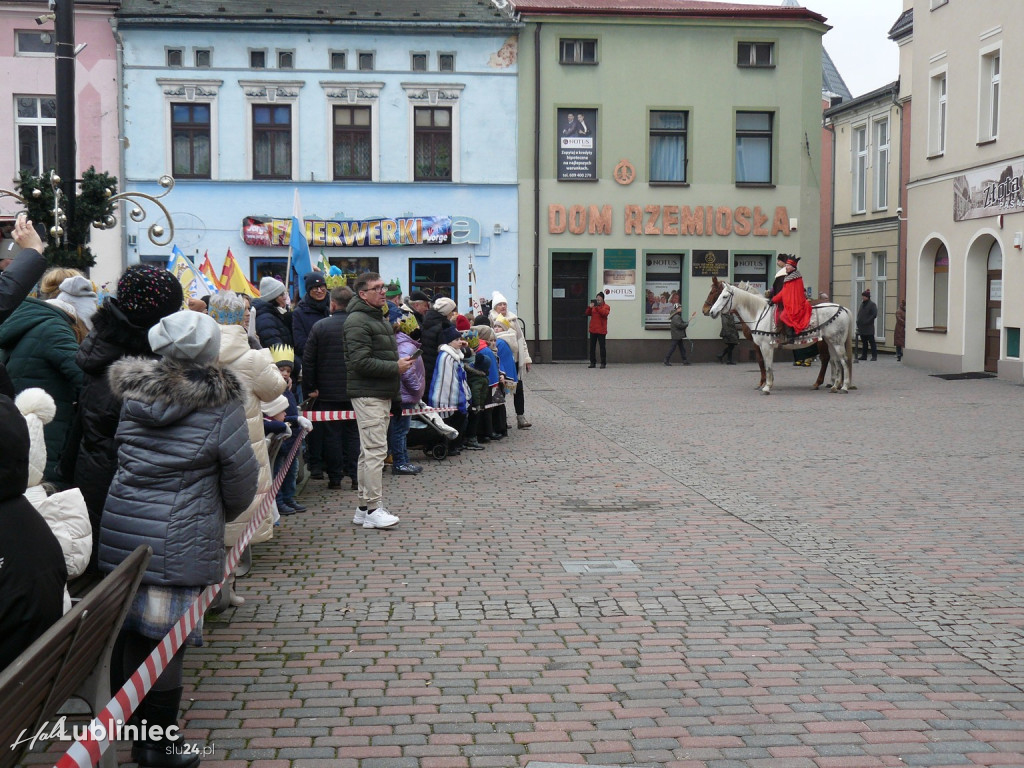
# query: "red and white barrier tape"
{"type": "Point", "coordinates": [320, 416]}
{"type": "Point", "coordinates": [86, 752]}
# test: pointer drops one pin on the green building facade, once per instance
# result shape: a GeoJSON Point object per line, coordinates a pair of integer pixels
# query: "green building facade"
{"type": "Point", "coordinates": [658, 148]}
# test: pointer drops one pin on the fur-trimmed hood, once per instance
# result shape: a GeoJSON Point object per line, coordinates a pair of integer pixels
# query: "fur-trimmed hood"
{"type": "Point", "coordinates": [165, 391]}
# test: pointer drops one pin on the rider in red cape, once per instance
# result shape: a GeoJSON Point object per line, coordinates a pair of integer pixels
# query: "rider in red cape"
{"type": "Point", "coordinates": [796, 309]}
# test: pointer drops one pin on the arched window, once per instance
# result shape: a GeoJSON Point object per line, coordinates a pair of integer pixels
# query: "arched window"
{"type": "Point", "coordinates": [940, 296]}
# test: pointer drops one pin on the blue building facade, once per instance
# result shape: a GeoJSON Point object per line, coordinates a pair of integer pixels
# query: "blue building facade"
{"type": "Point", "coordinates": [397, 129]}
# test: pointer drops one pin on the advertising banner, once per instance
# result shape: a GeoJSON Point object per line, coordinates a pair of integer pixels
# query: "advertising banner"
{"type": "Point", "coordinates": [320, 233]}
{"type": "Point", "coordinates": [577, 145]}
{"type": "Point", "coordinates": [989, 191]}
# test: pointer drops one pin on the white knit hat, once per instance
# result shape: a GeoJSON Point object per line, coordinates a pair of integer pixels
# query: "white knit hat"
{"type": "Point", "coordinates": [497, 298]}
{"type": "Point", "coordinates": [38, 409]}
{"type": "Point", "coordinates": [78, 292]}
{"type": "Point", "coordinates": [273, 407]}
{"type": "Point", "coordinates": [445, 306]}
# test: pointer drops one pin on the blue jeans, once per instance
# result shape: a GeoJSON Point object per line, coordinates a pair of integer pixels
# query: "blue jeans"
{"type": "Point", "coordinates": [286, 494]}
{"type": "Point", "coordinates": [398, 432]}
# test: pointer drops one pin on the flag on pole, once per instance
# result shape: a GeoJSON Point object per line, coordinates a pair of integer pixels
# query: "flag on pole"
{"type": "Point", "coordinates": [206, 268]}
{"type": "Point", "coordinates": [298, 248]}
{"type": "Point", "coordinates": [233, 279]}
{"type": "Point", "coordinates": [323, 264]}
{"type": "Point", "coordinates": [192, 282]}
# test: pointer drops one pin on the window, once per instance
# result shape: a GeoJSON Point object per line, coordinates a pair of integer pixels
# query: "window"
{"type": "Point", "coordinates": [436, 277]}
{"type": "Point", "coordinates": [353, 142]}
{"type": "Point", "coordinates": [36, 121]}
{"type": "Point", "coordinates": [32, 43]}
{"type": "Point", "coordinates": [419, 62]}
{"type": "Point", "coordinates": [937, 124]}
{"type": "Point", "coordinates": [940, 290]}
{"type": "Point", "coordinates": [203, 57]}
{"type": "Point", "coordinates": [257, 59]}
{"type": "Point", "coordinates": [988, 96]}
{"type": "Point", "coordinates": [754, 147]}
{"type": "Point", "coordinates": [879, 291]}
{"type": "Point", "coordinates": [858, 274]}
{"type": "Point", "coordinates": [446, 62]}
{"type": "Point", "coordinates": [338, 62]}
{"type": "Point", "coordinates": [881, 164]}
{"type": "Point", "coordinates": [175, 57]}
{"type": "Point", "coordinates": [755, 55]}
{"type": "Point", "coordinates": [190, 141]}
{"type": "Point", "coordinates": [937, 3]}
{"type": "Point", "coordinates": [365, 61]}
{"type": "Point", "coordinates": [860, 168]}
{"type": "Point", "coordinates": [432, 144]}
{"type": "Point", "coordinates": [271, 141]}
{"type": "Point", "coordinates": [668, 147]}
{"type": "Point", "coordinates": [286, 59]}
{"type": "Point", "coordinates": [577, 51]}
{"type": "Point", "coordinates": [663, 287]}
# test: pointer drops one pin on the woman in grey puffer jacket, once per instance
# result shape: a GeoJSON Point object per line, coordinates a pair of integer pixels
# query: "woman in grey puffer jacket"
{"type": "Point", "coordinates": [185, 466]}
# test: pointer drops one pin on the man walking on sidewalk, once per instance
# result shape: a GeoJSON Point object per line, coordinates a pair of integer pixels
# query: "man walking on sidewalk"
{"type": "Point", "coordinates": [866, 326]}
{"type": "Point", "coordinates": [374, 372]}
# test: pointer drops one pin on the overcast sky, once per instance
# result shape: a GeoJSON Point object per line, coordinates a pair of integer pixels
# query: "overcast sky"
{"type": "Point", "coordinates": [858, 41]}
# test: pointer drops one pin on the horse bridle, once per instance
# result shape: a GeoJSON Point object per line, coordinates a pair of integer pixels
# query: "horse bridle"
{"type": "Point", "coordinates": [724, 309]}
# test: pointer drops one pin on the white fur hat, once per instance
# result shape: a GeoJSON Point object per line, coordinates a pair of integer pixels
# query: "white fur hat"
{"type": "Point", "coordinates": [38, 409]}
{"type": "Point", "coordinates": [497, 298]}
{"type": "Point", "coordinates": [273, 407]}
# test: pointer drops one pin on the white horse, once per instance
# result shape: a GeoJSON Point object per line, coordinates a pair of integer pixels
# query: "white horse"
{"type": "Point", "coordinates": [831, 323]}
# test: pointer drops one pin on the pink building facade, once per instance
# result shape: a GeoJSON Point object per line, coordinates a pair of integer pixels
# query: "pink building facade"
{"type": "Point", "coordinates": [27, 111]}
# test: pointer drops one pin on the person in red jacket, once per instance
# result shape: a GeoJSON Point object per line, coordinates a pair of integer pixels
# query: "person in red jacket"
{"type": "Point", "coordinates": [796, 309]}
{"type": "Point", "coordinates": [598, 313]}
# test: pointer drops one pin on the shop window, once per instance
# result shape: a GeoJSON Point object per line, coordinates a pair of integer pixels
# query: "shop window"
{"type": "Point", "coordinates": [663, 287]}
{"type": "Point", "coordinates": [940, 289]}
{"type": "Point", "coordinates": [436, 277]}
{"type": "Point", "coordinates": [753, 268]}
{"type": "Point", "coordinates": [353, 268]}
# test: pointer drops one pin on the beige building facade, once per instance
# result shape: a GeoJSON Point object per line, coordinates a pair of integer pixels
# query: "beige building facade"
{"type": "Point", "coordinates": [962, 66]}
{"type": "Point", "coordinates": [866, 205]}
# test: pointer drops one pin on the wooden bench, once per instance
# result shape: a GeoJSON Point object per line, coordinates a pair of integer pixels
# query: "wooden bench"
{"type": "Point", "coordinates": [70, 659]}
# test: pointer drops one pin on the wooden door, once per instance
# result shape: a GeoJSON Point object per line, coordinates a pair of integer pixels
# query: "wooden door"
{"type": "Point", "coordinates": [570, 275]}
{"type": "Point", "coordinates": [993, 313]}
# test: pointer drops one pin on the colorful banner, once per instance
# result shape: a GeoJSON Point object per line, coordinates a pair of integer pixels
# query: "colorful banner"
{"type": "Point", "coordinates": [321, 233]}
{"type": "Point", "coordinates": [989, 191]}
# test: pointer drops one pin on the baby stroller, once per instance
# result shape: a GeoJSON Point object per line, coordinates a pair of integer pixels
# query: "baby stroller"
{"type": "Point", "coordinates": [429, 432]}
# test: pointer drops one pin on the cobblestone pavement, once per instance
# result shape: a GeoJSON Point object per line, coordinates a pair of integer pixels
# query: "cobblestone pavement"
{"type": "Point", "coordinates": [669, 569]}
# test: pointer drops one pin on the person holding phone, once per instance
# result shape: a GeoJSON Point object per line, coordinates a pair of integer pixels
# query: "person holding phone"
{"type": "Point", "coordinates": [24, 270]}
{"type": "Point", "coordinates": [598, 312]}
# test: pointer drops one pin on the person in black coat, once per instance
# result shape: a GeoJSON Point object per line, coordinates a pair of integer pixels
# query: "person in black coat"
{"type": "Point", "coordinates": [145, 294]}
{"type": "Point", "coordinates": [32, 569]}
{"type": "Point", "coordinates": [273, 320]}
{"type": "Point", "coordinates": [435, 322]}
{"type": "Point", "coordinates": [311, 309]}
{"type": "Point", "coordinates": [326, 379]}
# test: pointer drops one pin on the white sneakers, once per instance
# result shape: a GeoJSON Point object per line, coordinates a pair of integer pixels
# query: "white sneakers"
{"type": "Point", "coordinates": [378, 518]}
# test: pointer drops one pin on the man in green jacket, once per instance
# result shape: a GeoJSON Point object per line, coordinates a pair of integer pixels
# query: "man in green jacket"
{"type": "Point", "coordinates": [374, 377]}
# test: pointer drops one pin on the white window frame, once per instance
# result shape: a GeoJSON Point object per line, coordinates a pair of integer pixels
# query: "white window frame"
{"type": "Point", "coordinates": [879, 263]}
{"type": "Point", "coordinates": [880, 162]}
{"type": "Point", "coordinates": [938, 112]}
{"type": "Point", "coordinates": [858, 277]}
{"type": "Point", "coordinates": [859, 168]}
{"type": "Point", "coordinates": [271, 92]}
{"type": "Point", "coordinates": [439, 95]}
{"type": "Point", "coordinates": [989, 93]}
{"type": "Point", "coordinates": [338, 94]}
{"type": "Point", "coordinates": [180, 90]}
{"type": "Point", "coordinates": [38, 33]}
{"type": "Point", "coordinates": [33, 122]}
{"type": "Point", "coordinates": [579, 50]}
{"type": "Point", "coordinates": [752, 54]}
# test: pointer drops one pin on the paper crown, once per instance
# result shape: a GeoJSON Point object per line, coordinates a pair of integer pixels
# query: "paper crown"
{"type": "Point", "coordinates": [408, 324]}
{"type": "Point", "coordinates": [502, 321]}
{"type": "Point", "coordinates": [473, 338]}
{"type": "Point", "coordinates": [282, 354]}
{"type": "Point", "coordinates": [394, 289]}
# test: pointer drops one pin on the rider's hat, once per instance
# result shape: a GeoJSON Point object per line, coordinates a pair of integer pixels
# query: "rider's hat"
{"type": "Point", "coordinates": [792, 259]}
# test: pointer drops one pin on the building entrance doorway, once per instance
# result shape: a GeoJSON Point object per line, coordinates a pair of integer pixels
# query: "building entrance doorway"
{"type": "Point", "coordinates": [993, 308]}
{"type": "Point", "coordinates": [570, 276]}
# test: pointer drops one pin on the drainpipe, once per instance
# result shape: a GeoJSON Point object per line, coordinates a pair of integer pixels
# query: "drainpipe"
{"type": "Point", "coordinates": [901, 248]}
{"type": "Point", "coordinates": [536, 190]}
{"type": "Point", "coordinates": [120, 133]}
{"type": "Point", "coordinates": [831, 128]}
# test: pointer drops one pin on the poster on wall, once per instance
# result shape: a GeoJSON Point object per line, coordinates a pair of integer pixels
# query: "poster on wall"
{"type": "Point", "coordinates": [711, 264]}
{"type": "Point", "coordinates": [989, 191]}
{"type": "Point", "coordinates": [662, 288]}
{"type": "Point", "coordinates": [752, 268]}
{"type": "Point", "coordinates": [619, 274]}
{"type": "Point", "coordinates": [577, 145]}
